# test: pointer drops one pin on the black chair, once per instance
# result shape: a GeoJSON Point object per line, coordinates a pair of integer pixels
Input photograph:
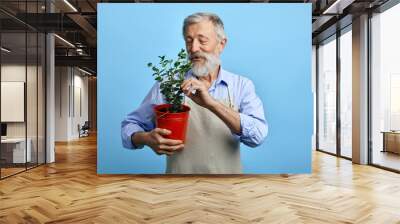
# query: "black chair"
{"type": "Point", "coordinates": [84, 130]}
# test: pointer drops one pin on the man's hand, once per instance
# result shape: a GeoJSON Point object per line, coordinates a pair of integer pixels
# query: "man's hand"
{"type": "Point", "coordinates": [198, 91]}
{"type": "Point", "coordinates": [155, 140]}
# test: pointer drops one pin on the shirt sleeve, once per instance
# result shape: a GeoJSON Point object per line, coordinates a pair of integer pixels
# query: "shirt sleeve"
{"type": "Point", "coordinates": [141, 119]}
{"type": "Point", "coordinates": [253, 124]}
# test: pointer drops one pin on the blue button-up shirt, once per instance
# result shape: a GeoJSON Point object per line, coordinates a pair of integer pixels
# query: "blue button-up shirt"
{"type": "Point", "coordinates": [241, 93]}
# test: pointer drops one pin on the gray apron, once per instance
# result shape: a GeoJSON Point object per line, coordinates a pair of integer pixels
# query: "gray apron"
{"type": "Point", "coordinates": [210, 147]}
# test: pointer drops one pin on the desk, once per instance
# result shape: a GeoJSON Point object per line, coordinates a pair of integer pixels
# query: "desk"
{"type": "Point", "coordinates": [391, 141]}
{"type": "Point", "coordinates": [15, 148]}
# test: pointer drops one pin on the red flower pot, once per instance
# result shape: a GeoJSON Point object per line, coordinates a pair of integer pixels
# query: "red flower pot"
{"type": "Point", "coordinates": [175, 122]}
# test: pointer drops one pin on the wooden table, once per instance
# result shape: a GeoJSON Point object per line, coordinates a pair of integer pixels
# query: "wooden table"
{"type": "Point", "coordinates": [13, 150]}
{"type": "Point", "coordinates": [391, 141]}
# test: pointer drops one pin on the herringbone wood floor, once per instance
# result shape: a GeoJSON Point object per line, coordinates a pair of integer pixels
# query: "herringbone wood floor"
{"type": "Point", "coordinates": [70, 191]}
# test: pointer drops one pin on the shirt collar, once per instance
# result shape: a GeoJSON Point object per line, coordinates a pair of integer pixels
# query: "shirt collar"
{"type": "Point", "coordinates": [222, 77]}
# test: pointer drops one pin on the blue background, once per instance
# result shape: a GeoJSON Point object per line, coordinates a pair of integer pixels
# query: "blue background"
{"type": "Point", "coordinates": [268, 43]}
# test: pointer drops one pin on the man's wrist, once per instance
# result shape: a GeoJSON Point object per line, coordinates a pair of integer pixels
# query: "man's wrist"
{"type": "Point", "coordinates": [212, 106]}
{"type": "Point", "coordinates": [139, 138]}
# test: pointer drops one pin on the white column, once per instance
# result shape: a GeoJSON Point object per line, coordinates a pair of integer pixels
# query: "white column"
{"type": "Point", "coordinates": [50, 110]}
{"type": "Point", "coordinates": [50, 92]}
{"type": "Point", "coordinates": [360, 90]}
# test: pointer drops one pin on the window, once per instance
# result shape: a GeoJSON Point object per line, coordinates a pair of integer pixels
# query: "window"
{"type": "Point", "coordinates": [346, 93]}
{"type": "Point", "coordinates": [327, 95]}
{"type": "Point", "coordinates": [385, 88]}
{"type": "Point", "coordinates": [23, 79]}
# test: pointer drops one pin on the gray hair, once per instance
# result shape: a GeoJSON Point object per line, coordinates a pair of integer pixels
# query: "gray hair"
{"type": "Point", "coordinates": [201, 16]}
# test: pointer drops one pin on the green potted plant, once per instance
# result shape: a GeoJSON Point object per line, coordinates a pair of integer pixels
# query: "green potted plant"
{"type": "Point", "coordinates": [174, 114]}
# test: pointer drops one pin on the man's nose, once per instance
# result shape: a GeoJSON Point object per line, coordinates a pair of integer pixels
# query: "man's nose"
{"type": "Point", "coordinates": [195, 46]}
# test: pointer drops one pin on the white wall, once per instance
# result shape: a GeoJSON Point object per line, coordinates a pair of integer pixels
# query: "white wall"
{"type": "Point", "coordinates": [33, 127]}
{"type": "Point", "coordinates": [80, 109]}
{"type": "Point", "coordinates": [62, 81]}
{"type": "Point", "coordinates": [71, 94]}
{"type": "Point", "coordinates": [15, 72]}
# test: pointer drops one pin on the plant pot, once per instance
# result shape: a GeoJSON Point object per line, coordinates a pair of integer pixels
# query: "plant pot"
{"type": "Point", "coordinates": [175, 122]}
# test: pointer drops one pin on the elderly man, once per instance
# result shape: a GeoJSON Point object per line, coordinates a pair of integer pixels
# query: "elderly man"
{"type": "Point", "coordinates": [225, 109]}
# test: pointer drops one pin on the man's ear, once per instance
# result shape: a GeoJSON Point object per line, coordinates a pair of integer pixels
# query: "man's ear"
{"type": "Point", "coordinates": [222, 44]}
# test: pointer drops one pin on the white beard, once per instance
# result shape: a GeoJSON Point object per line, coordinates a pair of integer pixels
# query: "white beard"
{"type": "Point", "coordinates": [211, 63]}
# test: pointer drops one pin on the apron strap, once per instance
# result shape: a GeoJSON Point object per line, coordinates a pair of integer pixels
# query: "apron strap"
{"type": "Point", "coordinates": [231, 105]}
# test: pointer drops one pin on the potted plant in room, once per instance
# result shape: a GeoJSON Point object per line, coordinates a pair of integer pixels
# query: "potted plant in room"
{"type": "Point", "coordinates": [173, 115]}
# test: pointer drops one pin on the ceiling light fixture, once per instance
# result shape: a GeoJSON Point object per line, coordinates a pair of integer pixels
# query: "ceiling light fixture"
{"type": "Point", "coordinates": [70, 5]}
{"type": "Point", "coordinates": [79, 51]}
{"type": "Point", "coordinates": [65, 41]}
{"type": "Point", "coordinates": [84, 71]}
{"type": "Point", "coordinates": [5, 50]}
{"type": "Point", "coordinates": [337, 7]}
